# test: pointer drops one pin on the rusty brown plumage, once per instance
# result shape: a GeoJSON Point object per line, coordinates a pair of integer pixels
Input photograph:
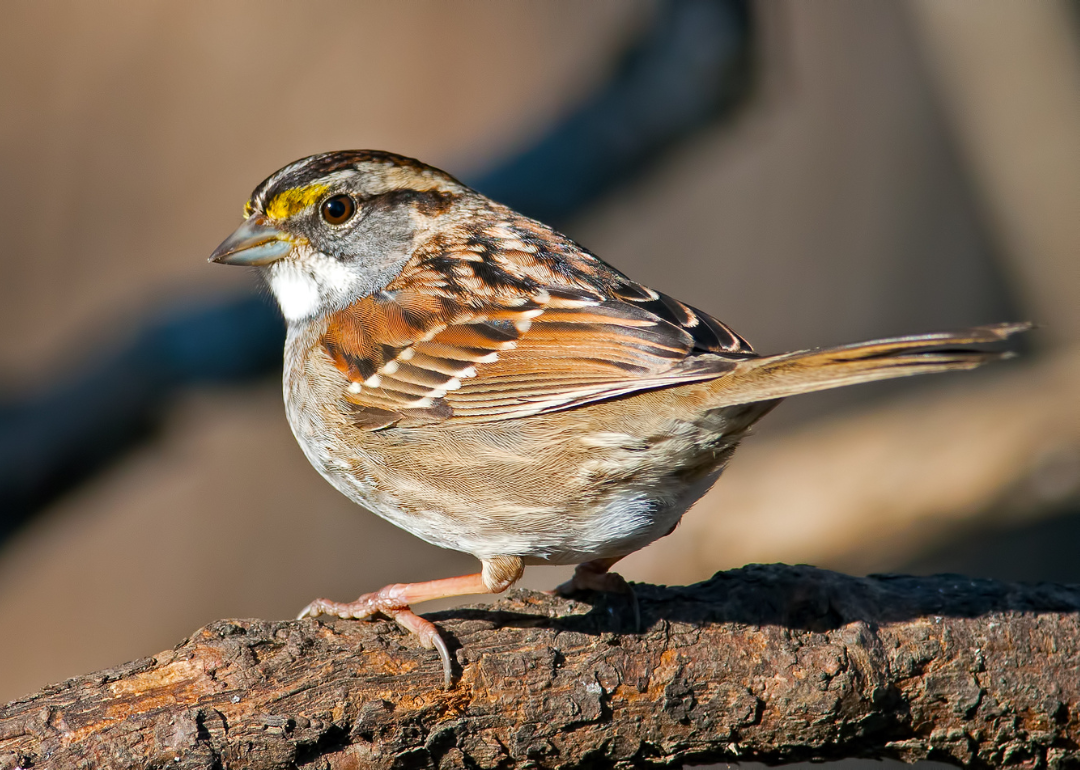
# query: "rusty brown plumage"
{"type": "Point", "coordinates": [506, 318]}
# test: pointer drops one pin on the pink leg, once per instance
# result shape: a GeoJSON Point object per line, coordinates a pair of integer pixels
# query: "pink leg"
{"type": "Point", "coordinates": [393, 601]}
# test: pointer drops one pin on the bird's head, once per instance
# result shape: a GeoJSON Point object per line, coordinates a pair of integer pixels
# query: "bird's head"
{"type": "Point", "coordinates": [332, 228]}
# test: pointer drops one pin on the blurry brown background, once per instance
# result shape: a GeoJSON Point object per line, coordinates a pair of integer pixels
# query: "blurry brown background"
{"type": "Point", "coordinates": [899, 168]}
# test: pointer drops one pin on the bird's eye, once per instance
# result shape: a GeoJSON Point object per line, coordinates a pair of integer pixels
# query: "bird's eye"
{"type": "Point", "coordinates": [338, 210]}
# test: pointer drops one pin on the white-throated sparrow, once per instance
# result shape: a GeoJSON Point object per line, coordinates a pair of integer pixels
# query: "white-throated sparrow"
{"type": "Point", "coordinates": [489, 385]}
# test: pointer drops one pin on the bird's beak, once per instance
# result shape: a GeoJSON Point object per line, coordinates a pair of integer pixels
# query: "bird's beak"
{"type": "Point", "coordinates": [256, 242]}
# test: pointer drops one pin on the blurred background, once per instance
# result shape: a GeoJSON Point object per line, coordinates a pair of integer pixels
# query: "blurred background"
{"type": "Point", "coordinates": [812, 174]}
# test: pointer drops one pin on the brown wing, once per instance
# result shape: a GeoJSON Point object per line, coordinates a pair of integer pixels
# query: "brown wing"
{"type": "Point", "coordinates": [514, 320]}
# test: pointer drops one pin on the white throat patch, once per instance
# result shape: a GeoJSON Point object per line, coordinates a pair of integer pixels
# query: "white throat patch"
{"type": "Point", "coordinates": [295, 289]}
{"type": "Point", "coordinates": [308, 282]}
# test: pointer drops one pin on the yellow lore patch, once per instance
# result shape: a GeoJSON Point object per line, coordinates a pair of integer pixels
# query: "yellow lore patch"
{"type": "Point", "coordinates": [289, 202]}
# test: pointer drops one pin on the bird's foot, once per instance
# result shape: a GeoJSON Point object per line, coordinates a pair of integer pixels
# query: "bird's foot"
{"type": "Point", "coordinates": [597, 576]}
{"type": "Point", "coordinates": [391, 602]}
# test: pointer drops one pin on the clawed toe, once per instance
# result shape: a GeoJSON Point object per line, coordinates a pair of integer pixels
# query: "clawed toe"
{"type": "Point", "coordinates": [386, 602]}
{"type": "Point", "coordinates": [594, 576]}
{"type": "Point", "coordinates": [429, 637]}
{"type": "Point", "coordinates": [326, 607]}
{"type": "Point", "coordinates": [394, 602]}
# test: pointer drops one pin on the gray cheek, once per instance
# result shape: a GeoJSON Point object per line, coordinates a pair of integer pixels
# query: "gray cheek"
{"type": "Point", "coordinates": [376, 249]}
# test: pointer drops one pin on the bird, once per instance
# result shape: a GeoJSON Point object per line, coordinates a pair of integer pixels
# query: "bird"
{"type": "Point", "coordinates": [487, 384]}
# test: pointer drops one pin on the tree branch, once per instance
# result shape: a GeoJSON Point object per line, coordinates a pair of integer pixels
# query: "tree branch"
{"type": "Point", "coordinates": [770, 663]}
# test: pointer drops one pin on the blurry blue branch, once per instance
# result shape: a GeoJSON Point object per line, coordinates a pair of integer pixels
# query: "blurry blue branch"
{"type": "Point", "coordinates": [687, 70]}
{"type": "Point", "coordinates": [59, 434]}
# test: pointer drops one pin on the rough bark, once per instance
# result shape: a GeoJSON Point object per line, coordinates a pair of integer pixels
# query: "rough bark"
{"type": "Point", "coordinates": [770, 663]}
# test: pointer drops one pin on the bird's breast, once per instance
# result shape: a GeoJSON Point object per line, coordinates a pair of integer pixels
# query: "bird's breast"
{"type": "Point", "coordinates": [596, 481]}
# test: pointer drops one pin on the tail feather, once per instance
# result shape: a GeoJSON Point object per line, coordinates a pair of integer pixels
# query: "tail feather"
{"type": "Point", "coordinates": [805, 371]}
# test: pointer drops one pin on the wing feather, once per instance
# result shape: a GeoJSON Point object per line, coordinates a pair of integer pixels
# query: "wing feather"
{"type": "Point", "coordinates": [474, 329]}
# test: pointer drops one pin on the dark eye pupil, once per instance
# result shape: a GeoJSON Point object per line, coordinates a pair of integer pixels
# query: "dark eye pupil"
{"type": "Point", "coordinates": [337, 209]}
